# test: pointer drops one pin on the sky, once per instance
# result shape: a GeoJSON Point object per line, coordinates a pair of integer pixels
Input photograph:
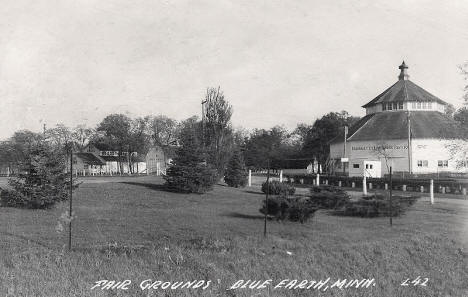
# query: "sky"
{"type": "Point", "coordinates": [278, 62]}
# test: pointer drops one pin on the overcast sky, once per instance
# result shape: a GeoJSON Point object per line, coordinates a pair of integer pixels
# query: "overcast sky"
{"type": "Point", "coordinates": [278, 62]}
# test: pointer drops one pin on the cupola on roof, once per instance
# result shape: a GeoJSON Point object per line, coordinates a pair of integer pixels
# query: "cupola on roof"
{"type": "Point", "coordinates": [404, 90]}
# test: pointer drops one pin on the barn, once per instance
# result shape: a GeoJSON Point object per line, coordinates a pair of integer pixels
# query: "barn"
{"type": "Point", "coordinates": [405, 128]}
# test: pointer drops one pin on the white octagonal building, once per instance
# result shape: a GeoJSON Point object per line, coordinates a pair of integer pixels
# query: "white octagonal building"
{"type": "Point", "coordinates": [405, 128]}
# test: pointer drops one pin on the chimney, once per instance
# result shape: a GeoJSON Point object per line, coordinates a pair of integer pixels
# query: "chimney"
{"type": "Point", "coordinates": [403, 72]}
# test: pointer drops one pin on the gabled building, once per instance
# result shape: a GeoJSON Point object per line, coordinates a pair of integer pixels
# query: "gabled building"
{"type": "Point", "coordinates": [115, 163]}
{"type": "Point", "coordinates": [405, 127]}
{"type": "Point", "coordinates": [159, 159]}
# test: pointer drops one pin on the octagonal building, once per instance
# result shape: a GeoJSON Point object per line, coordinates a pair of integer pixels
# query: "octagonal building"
{"type": "Point", "coordinates": [405, 127]}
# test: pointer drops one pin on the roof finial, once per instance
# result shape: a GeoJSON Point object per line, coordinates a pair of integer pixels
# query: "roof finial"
{"type": "Point", "coordinates": [403, 73]}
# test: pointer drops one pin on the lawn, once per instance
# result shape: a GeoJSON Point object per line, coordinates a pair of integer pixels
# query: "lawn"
{"type": "Point", "coordinates": [130, 229]}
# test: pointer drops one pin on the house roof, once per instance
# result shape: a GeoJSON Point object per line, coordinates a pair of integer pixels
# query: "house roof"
{"type": "Point", "coordinates": [404, 90]}
{"type": "Point", "coordinates": [394, 125]}
{"type": "Point", "coordinates": [89, 158]}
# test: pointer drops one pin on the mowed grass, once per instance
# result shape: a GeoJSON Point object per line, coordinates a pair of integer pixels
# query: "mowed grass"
{"type": "Point", "coordinates": [130, 228]}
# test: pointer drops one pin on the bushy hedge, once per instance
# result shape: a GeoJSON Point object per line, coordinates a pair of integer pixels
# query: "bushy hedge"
{"type": "Point", "coordinates": [328, 197]}
{"type": "Point", "coordinates": [292, 209]}
{"type": "Point", "coordinates": [378, 206]}
{"type": "Point", "coordinates": [277, 188]}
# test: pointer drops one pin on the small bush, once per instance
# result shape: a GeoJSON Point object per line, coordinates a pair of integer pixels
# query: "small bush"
{"type": "Point", "coordinates": [282, 208]}
{"type": "Point", "coordinates": [277, 188]}
{"type": "Point", "coordinates": [328, 197]}
{"type": "Point", "coordinates": [10, 198]}
{"type": "Point", "coordinates": [378, 206]}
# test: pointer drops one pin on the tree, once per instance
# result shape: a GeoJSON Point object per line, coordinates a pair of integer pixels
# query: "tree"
{"type": "Point", "coordinates": [164, 131]}
{"type": "Point", "coordinates": [59, 136]}
{"type": "Point", "coordinates": [217, 131]}
{"type": "Point", "coordinates": [116, 130]}
{"type": "Point", "coordinates": [461, 116]}
{"type": "Point", "coordinates": [449, 110]}
{"type": "Point", "coordinates": [464, 72]}
{"type": "Point", "coordinates": [138, 141]}
{"type": "Point", "coordinates": [42, 179]}
{"type": "Point", "coordinates": [189, 172]}
{"type": "Point", "coordinates": [81, 136]}
{"type": "Point", "coordinates": [316, 143]}
{"type": "Point", "coordinates": [236, 173]}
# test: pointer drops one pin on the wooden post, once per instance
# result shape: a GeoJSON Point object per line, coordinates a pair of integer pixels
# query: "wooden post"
{"type": "Point", "coordinates": [281, 176]}
{"type": "Point", "coordinates": [364, 185]}
{"type": "Point", "coordinates": [431, 190]}
{"type": "Point", "coordinates": [318, 180]}
{"type": "Point", "coordinates": [391, 187]}
{"type": "Point", "coordinates": [266, 200]}
{"type": "Point", "coordinates": [250, 177]}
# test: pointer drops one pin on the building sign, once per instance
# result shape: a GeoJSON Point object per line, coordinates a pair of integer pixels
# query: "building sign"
{"type": "Point", "coordinates": [379, 147]}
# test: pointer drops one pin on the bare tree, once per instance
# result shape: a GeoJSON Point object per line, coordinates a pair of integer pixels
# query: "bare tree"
{"type": "Point", "coordinates": [82, 135]}
{"type": "Point", "coordinates": [217, 131]}
{"type": "Point", "coordinates": [382, 152]}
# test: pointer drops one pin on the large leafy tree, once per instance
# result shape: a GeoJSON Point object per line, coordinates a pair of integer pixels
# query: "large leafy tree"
{"type": "Point", "coordinates": [266, 147]}
{"type": "Point", "coordinates": [317, 139]}
{"type": "Point", "coordinates": [116, 129]}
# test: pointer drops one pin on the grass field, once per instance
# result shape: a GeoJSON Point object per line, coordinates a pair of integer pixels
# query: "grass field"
{"type": "Point", "coordinates": [129, 228]}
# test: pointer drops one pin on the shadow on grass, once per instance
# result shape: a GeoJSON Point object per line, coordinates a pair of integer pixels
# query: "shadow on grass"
{"type": "Point", "coordinates": [253, 192]}
{"type": "Point", "coordinates": [243, 216]}
{"type": "Point", "coordinates": [156, 187]}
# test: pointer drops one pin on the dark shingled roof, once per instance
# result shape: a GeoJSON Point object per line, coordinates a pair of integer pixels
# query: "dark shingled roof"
{"type": "Point", "coordinates": [404, 90]}
{"type": "Point", "coordinates": [394, 125]}
{"type": "Point", "coordinates": [89, 158]}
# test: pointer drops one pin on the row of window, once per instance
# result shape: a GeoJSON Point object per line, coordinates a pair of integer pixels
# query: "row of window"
{"type": "Point", "coordinates": [392, 106]}
{"type": "Point", "coordinates": [399, 105]}
{"type": "Point", "coordinates": [421, 105]}
{"type": "Point", "coordinates": [440, 163]}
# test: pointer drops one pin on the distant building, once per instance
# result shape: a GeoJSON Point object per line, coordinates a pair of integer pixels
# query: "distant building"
{"type": "Point", "coordinates": [110, 160]}
{"type": "Point", "coordinates": [158, 160]}
{"type": "Point", "coordinates": [405, 127]}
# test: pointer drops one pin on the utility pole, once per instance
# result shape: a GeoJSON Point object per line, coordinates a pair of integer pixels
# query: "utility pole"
{"type": "Point", "coordinates": [409, 144]}
{"type": "Point", "coordinates": [71, 199]}
{"type": "Point", "coordinates": [203, 120]}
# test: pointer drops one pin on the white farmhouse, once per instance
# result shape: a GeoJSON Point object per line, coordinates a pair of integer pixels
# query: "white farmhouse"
{"type": "Point", "coordinates": [405, 128]}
